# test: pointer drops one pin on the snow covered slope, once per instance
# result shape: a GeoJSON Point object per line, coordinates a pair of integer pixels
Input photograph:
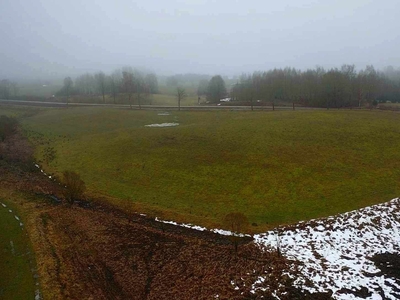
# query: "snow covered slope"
{"type": "Point", "coordinates": [336, 252]}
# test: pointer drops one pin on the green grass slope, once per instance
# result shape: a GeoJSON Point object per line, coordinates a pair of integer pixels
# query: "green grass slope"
{"type": "Point", "coordinates": [16, 280]}
{"type": "Point", "coordinates": [276, 167]}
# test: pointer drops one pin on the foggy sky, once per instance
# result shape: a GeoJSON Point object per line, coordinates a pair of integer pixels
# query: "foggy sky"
{"type": "Point", "coordinates": [40, 38]}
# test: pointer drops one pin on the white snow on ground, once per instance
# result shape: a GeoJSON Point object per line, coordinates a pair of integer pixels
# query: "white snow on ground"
{"type": "Point", "coordinates": [163, 114]}
{"type": "Point", "coordinates": [200, 228]}
{"type": "Point", "coordinates": [335, 250]}
{"type": "Point", "coordinates": [162, 125]}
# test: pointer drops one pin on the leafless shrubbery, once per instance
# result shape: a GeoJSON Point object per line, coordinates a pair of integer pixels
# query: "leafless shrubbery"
{"type": "Point", "coordinates": [8, 126]}
{"type": "Point", "coordinates": [74, 186]}
{"type": "Point", "coordinates": [236, 222]}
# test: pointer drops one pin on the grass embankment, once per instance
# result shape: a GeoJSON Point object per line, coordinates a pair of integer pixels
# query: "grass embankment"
{"type": "Point", "coordinates": [16, 280]}
{"type": "Point", "coordinates": [277, 167]}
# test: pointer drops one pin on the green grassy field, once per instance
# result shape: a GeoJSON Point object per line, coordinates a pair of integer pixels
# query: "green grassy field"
{"type": "Point", "coordinates": [16, 280]}
{"type": "Point", "coordinates": [276, 167]}
{"type": "Point", "coordinates": [154, 99]}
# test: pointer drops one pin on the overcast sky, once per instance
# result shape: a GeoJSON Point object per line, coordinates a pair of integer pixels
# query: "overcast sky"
{"type": "Point", "coordinates": [47, 37]}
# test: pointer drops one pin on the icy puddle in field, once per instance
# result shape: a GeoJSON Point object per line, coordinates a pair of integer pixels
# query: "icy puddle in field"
{"type": "Point", "coordinates": [162, 125]}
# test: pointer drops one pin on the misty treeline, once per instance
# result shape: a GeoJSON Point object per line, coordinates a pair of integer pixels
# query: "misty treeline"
{"type": "Point", "coordinates": [133, 83]}
{"type": "Point", "coordinates": [344, 87]}
{"type": "Point", "coordinates": [8, 89]}
{"type": "Point", "coordinates": [319, 87]}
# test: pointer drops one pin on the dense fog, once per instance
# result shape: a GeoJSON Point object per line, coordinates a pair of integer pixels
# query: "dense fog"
{"type": "Point", "coordinates": [53, 39]}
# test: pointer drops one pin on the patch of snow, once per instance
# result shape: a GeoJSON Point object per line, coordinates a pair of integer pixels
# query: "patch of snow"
{"type": "Point", "coordinates": [37, 295]}
{"type": "Point", "coordinates": [335, 251]}
{"type": "Point", "coordinates": [12, 248]}
{"type": "Point", "coordinates": [200, 228]}
{"type": "Point", "coordinates": [3, 205]}
{"type": "Point", "coordinates": [16, 218]}
{"type": "Point", "coordinates": [162, 125]}
{"type": "Point", "coordinates": [164, 114]}
{"type": "Point", "coordinates": [227, 232]}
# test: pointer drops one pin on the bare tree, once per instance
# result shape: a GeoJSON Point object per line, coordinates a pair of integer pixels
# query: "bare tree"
{"type": "Point", "coordinates": [101, 83]}
{"type": "Point", "coordinates": [236, 222]}
{"type": "Point", "coordinates": [128, 83]}
{"type": "Point", "coordinates": [68, 86]}
{"type": "Point", "coordinates": [8, 126]}
{"type": "Point", "coordinates": [180, 94]}
{"type": "Point", "coordinates": [115, 82]}
{"type": "Point", "coordinates": [85, 84]}
{"type": "Point", "coordinates": [151, 83]}
{"type": "Point", "coordinates": [139, 87]}
{"type": "Point", "coordinates": [15, 88]}
{"type": "Point", "coordinates": [5, 88]}
{"type": "Point", "coordinates": [74, 186]}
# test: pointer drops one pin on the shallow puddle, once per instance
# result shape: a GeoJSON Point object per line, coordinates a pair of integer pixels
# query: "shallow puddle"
{"type": "Point", "coordinates": [162, 125]}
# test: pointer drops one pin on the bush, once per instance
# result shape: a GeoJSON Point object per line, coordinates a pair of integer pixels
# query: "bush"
{"type": "Point", "coordinates": [74, 186]}
{"type": "Point", "coordinates": [236, 222]}
{"type": "Point", "coordinates": [8, 126]}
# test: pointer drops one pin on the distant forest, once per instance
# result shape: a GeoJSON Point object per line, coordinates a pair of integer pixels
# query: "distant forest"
{"type": "Point", "coordinates": [318, 87]}
{"type": "Point", "coordinates": [344, 87]}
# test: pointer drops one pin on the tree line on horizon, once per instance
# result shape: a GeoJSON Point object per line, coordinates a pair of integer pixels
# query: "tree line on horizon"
{"type": "Point", "coordinates": [344, 87]}
{"type": "Point", "coordinates": [318, 87]}
{"type": "Point", "coordinates": [8, 89]}
{"type": "Point", "coordinates": [130, 81]}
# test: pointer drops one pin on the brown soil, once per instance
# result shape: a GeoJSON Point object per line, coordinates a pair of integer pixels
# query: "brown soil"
{"type": "Point", "coordinates": [96, 251]}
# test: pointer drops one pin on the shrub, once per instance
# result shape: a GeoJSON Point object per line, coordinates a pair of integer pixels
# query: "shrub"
{"type": "Point", "coordinates": [236, 222]}
{"type": "Point", "coordinates": [74, 186]}
{"type": "Point", "coordinates": [8, 126]}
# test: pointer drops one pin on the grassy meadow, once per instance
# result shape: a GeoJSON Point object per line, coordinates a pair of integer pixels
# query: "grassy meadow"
{"type": "Point", "coordinates": [16, 279]}
{"type": "Point", "coordinates": [275, 167]}
{"type": "Point", "coordinates": [153, 99]}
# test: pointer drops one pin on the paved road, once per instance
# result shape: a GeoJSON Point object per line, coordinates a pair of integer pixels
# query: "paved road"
{"type": "Point", "coordinates": [150, 107]}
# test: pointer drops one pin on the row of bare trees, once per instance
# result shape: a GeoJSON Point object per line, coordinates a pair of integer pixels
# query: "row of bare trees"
{"type": "Point", "coordinates": [8, 89]}
{"type": "Point", "coordinates": [135, 84]}
{"type": "Point", "coordinates": [344, 87]}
